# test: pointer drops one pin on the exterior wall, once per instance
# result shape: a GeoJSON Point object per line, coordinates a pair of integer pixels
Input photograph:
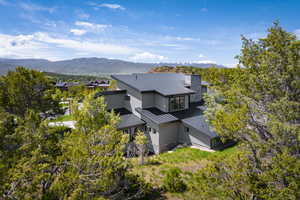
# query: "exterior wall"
{"type": "Point", "coordinates": [161, 102]}
{"type": "Point", "coordinates": [148, 100]}
{"type": "Point", "coordinates": [153, 138]}
{"type": "Point", "coordinates": [193, 137]}
{"type": "Point", "coordinates": [187, 101]}
{"type": "Point", "coordinates": [132, 104]}
{"type": "Point", "coordinates": [182, 137]}
{"type": "Point", "coordinates": [135, 98]}
{"type": "Point", "coordinates": [168, 136]}
{"type": "Point", "coordinates": [114, 101]}
{"type": "Point", "coordinates": [131, 91]}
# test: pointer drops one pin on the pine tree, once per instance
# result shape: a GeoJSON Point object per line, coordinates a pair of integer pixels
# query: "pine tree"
{"type": "Point", "coordinates": [93, 153]}
{"type": "Point", "coordinates": [141, 142]}
{"type": "Point", "coordinates": [24, 90]}
{"type": "Point", "coordinates": [261, 110]}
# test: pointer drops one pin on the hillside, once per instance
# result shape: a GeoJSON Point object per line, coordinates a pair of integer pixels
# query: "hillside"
{"type": "Point", "coordinates": [86, 66]}
{"type": "Point", "coordinates": [68, 77]}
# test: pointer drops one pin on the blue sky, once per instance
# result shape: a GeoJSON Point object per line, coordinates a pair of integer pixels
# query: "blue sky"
{"type": "Point", "coordinates": [200, 31]}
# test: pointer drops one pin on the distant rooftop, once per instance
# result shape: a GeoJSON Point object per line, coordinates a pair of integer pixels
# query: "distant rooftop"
{"type": "Point", "coordinates": [164, 83]}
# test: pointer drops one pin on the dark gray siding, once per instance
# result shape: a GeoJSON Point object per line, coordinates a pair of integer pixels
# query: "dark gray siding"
{"type": "Point", "coordinates": [193, 137]}
{"type": "Point", "coordinates": [114, 101]}
{"type": "Point", "coordinates": [148, 100]}
{"type": "Point", "coordinates": [135, 100]}
{"type": "Point", "coordinates": [168, 136]}
{"type": "Point", "coordinates": [161, 102]}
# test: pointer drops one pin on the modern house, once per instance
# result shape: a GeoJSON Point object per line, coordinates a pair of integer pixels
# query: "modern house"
{"type": "Point", "coordinates": [167, 107]}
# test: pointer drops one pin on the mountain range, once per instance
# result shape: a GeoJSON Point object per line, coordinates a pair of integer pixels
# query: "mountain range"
{"type": "Point", "coordinates": [87, 66]}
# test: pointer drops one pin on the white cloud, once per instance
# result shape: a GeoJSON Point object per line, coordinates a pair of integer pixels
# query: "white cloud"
{"type": "Point", "coordinates": [146, 56]}
{"type": "Point", "coordinates": [92, 27]}
{"type": "Point", "coordinates": [23, 46]}
{"type": "Point", "coordinates": [205, 62]}
{"type": "Point", "coordinates": [112, 6]}
{"type": "Point", "coordinates": [231, 65]}
{"type": "Point", "coordinates": [78, 31]}
{"type": "Point", "coordinates": [178, 38]}
{"type": "Point", "coordinates": [297, 33]}
{"type": "Point", "coordinates": [42, 45]}
{"type": "Point", "coordinates": [84, 45]}
{"type": "Point", "coordinates": [83, 16]}
{"type": "Point", "coordinates": [34, 7]}
{"type": "Point", "coordinates": [201, 56]}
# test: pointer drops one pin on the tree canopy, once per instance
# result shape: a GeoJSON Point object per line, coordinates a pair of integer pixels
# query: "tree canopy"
{"type": "Point", "coordinates": [262, 112]}
{"type": "Point", "coordinates": [26, 89]}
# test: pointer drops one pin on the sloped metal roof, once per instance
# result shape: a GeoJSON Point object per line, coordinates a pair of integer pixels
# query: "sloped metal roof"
{"type": "Point", "coordinates": [165, 83]}
{"type": "Point", "coordinates": [129, 120]}
{"type": "Point", "coordinates": [199, 123]}
{"type": "Point", "coordinates": [160, 118]}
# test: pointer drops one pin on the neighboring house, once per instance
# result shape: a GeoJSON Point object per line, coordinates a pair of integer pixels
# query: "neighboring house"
{"type": "Point", "coordinates": [61, 85]}
{"type": "Point", "coordinates": [167, 107]}
{"type": "Point", "coordinates": [65, 85]}
{"type": "Point", "coordinates": [103, 84]}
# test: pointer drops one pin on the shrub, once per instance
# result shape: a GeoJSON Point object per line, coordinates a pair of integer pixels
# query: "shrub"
{"type": "Point", "coordinates": [172, 181]}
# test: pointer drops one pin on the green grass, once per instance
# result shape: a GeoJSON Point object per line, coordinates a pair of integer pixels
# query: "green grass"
{"type": "Point", "coordinates": [62, 118]}
{"type": "Point", "coordinates": [182, 155]}
{"type": "Point", "coordinates": [187, 159]}
{"type": "Point", "coordinates": [64, 105]}
{"type": "Point", "coordinates": [187, 154]}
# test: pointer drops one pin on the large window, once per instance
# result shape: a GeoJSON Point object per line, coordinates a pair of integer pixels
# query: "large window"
{"type": "Point", "coordinates": [176, 103]}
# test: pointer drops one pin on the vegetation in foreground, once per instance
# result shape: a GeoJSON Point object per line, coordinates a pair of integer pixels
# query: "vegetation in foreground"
{"type": "Point", "coordinates": [62, 118]}
{"type": "Point", "coordinates": [42, 162]}
{"type": "Point", "coordinates": [184, 162]}
{"type": "Point", "coordinates": [256, 104]}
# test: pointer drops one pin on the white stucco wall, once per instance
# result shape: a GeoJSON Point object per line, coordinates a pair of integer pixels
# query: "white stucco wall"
{"type": "Point", "coordinates": [153, 140]}
{"type": "Point", "coordinates": [132, 104]}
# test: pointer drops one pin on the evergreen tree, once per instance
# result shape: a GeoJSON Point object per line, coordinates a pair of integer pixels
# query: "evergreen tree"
{"type": "Point", "coordinates": [24, 90]}
{"type": "Point", "coordinates": [33, 169]}
{"type": "Point", "coordinates": [141, 142]}
{"type": "Point", "coordinates": [262, 111]}
{"type": "Point", "coordinates": [93, 155]}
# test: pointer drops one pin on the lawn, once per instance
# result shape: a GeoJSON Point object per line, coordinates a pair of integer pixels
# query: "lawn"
{"type": "Point", "coordinates": [62, 118]}
{"type": "Point", "coordinates": [189, 160]}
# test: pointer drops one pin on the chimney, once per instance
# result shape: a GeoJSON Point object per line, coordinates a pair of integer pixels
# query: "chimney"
{"type": "Point", "coordinates": [196, 87]}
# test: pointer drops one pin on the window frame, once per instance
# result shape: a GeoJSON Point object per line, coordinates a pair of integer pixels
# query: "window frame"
{"type": "Point", "coordinates": [177, 103]}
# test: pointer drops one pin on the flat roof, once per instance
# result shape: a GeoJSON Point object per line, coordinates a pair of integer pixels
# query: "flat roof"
{"type": "Point", "coordinates": [166, 84]}
{"type": "Point", "coordinates": [129, 120]}
{"type": "Point", "coordinates": [199, 123]}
